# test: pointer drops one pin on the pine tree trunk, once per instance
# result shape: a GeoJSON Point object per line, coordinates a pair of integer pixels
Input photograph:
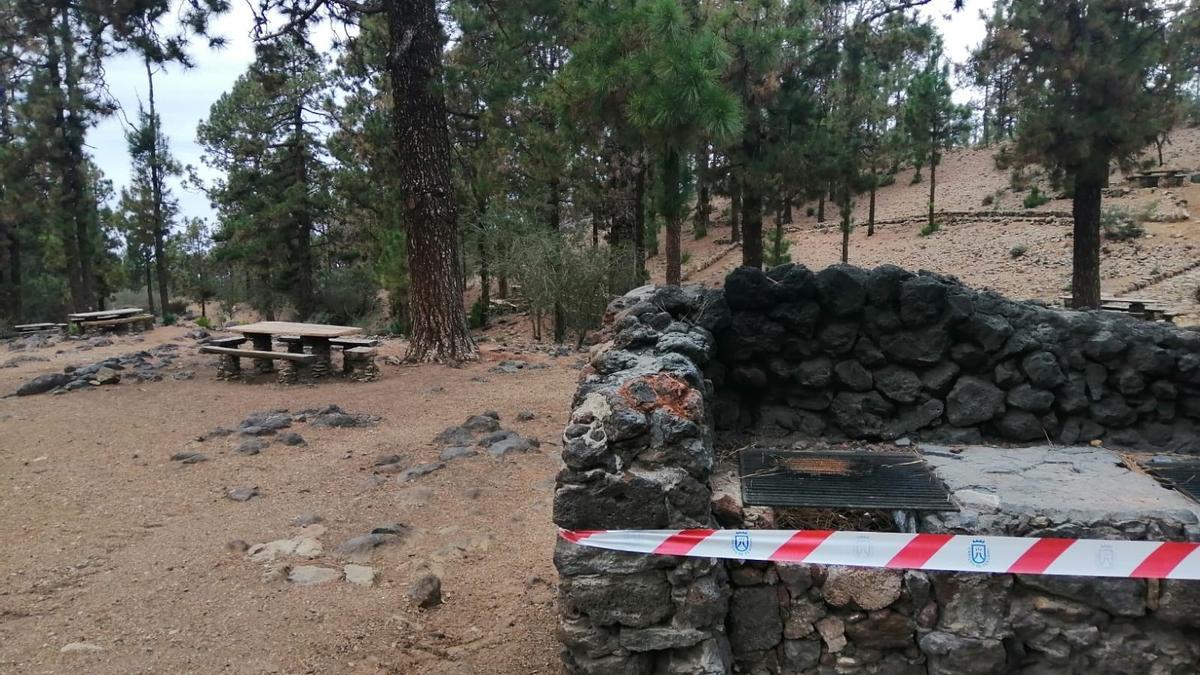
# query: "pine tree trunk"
{"type": "Point", "coordinates": [787, 209]}
{"type": "Point", "coordinates": [672, 178]}
{"type": "Point", "coordinates": [871, 209]}
{"type": "Point", "coordinates": [846, 214]}
{"type": "Point", "coordinates": [639, 221]}
{"type": "Point", "coordinates": [560, 315]}
{"type": "Point", "coordinates": [735, 210]}
{"type": "Point", "coordinates": [485, 283]}
{"type": "Point", "coordinates": [64, 156]}
{"type": "Point", "coordinates": [302, 263]}
{"type": "Point", "coordinates": [156, 188]}
{"type": "Point", "coordinates": [439, 327]}
{"type": "Point", "coordinates": [621, 229]}
{"type": "Point", "coordinates": [703, 203]}
{"type": "Point", "coordinates": [1085, 208]}
{"type": "Point", "coordinates": [932, 183]}
{"type": "Point", "coordinates": [777, 243]}
{"type": "Point", "coordinates": [149, 285]}
{"type": "Point", "coordinates": [821, 208]}
{"type": "Point", "coordinates": [752, 244]}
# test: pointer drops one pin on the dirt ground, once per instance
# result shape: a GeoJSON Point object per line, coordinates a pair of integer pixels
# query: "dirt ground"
{"type": "Point", "coordinates": [109, 543]}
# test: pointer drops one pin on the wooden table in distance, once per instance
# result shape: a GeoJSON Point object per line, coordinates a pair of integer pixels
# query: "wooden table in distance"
{"type": "Point", "coordinates": [109, 317]}
{"type": "Point", "coordinates": [314, 335]}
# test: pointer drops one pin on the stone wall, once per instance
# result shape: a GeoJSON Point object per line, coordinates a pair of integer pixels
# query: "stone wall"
{"type": "Point", "coordinates": [860, 354]}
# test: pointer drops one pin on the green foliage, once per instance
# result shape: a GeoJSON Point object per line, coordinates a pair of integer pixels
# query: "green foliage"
{"type": "Point", "coordinates": [1035, 198]}
{"type": "Point", "coordinates": [475, 317]}
{"type": "Point", "coordinates": [1018, 251]}
{"type": "Point", "coordinates": [929, 228]}
{"type": "Point", "coordinates": [168, 319]}
{"type": "Point", "coordinates": [204, 322]}
{"type": "Point", "coordinates": [776, 248]}
{"type": "Point", "coordinates": [554, 272]}
{"type": "Point", "coordinates": [1118, 224]}
{"type": "Point", "coordinates": [685, 257]}
{"type": "Point", "coordinates": [346, 294]}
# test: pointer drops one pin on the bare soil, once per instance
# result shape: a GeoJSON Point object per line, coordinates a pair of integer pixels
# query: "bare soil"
{"type": "Point", "coordinates": [110, 543]}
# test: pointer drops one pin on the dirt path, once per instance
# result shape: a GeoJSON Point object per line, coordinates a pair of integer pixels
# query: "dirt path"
{"type": "Point", "coordinates": [109, 543]}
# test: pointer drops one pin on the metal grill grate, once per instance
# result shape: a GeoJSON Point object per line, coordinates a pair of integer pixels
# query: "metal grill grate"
{"type": "Point", "coordinates": [1183, 476]}
{"type": "Point", "coordinates": [842, 479]}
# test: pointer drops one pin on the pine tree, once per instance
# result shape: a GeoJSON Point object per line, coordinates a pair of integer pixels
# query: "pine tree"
{"type": "Point", "coordinates": [932, 119]}
{"type": "Point", "coordinates": [1093, 79]}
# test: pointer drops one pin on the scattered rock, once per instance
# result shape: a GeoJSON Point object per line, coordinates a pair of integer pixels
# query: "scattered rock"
{"type": "Point", "coordinates": [256, 431]}
{"type": "Point", "coordinates": [457, 452]}
{"type": "Point", "coordinates": [311, 575]}
{"type": "Point", "coordinates": [300, 547]}
{"type": "Point", "coordinates": [306, 519]}
{"type": "Point", "coordinates": [426, 591]}
{"type": "Point", "coordinates": [242, 494]}
{"type": "Point", "coordinates": [419, 470]}
{"type": "Point", "coordinates": [525, 416]}
{"type": "Point", "coordinates": [188, 457]}
{"type": "Point", "coordinates": [43, 383]}
{"type": "Point", "coordinates": [237, 546]}
{"type": "Point", "coordinates": [291, 438]}
{"type": "Point", "coordinates": [361, 575]}
{"type": "Point", "coordinates": [250, 446]}
{"type": "Point", "coordinates": [361, 547]}
{"type": "Point", "coordinates": [80, 647]}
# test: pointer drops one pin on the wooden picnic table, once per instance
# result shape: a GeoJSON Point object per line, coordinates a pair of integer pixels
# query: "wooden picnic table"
{"type": "Point", "coordinates": [315, 336]}
{"type": "Point", "coordinates": [105, 314]}
{"type": "Point", "coordinates": [1146, 308]}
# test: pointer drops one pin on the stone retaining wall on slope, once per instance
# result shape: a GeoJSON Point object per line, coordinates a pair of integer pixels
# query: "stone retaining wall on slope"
{"type": "Point", "coordinates": [866, 355]}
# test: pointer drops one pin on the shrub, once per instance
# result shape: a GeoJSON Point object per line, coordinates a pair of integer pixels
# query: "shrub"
{"type": "Point", "coordinates": [475, 318]}
{"type": "Point", "coordinates": [1035, 198]}
{"type": "Point", "coordinates": [168, 319]}
{"type": "Point", "coordinates": [810, 211]}
{"type": "Point", "coordinates": [929, 228]}
{"type": "Point", "coordinates": [684, 258]}
{"type": "Point", "coordinates": [346, 294]}
{"type": "Point", "coordinates": [988, 200]}
{"type": "Point", "coordinates": [550, 270]}
{"type": "Point", "coordinates": [1117, 224]}
{"type": "Point", "coordinates": [176, 307]}
{"type": "Point", "coordinates": [1018, 251]}
{"type": "Point", "coordinates": [204, 322]}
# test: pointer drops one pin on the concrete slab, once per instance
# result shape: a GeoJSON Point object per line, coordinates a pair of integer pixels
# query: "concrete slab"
{"type": "Point", "coordinates": [1077, 484]}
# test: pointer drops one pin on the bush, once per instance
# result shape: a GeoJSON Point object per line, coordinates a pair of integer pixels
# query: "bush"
{"type": "Point", "coordinates": [775, 240]}
{"type": "Point", "coordinates": [929, 228]}
{"type": "Point", "coordinates": [551, 270]}
{"type": "Point", "coordinates": [177, 307]}
{"type": "Point", "coordinates": [810, 211]}
{"type": "Point", "coordinates": [169, 319]}
{"type": "Point", "coordinates": [1018, 251]}
{"type": "Point", "coordinates": [346, 294]}
{"type": "Point", "coordinates": [204, 322]}
{"type": "Point", "coordinates": [475, 318]}
{"type": "Point", "coordinates": [684, 258]}
{"type": "Point", "coordinates": [1035, 198]}
{"type": "Point", "coordinates": [1117, 224]}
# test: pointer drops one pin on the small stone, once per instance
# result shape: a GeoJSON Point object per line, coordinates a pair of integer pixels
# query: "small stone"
{"type": "Point", "coordinates": [237, 546]}
{"type": "Point", "coordinates": [256, 431]}
{"type": "Point", "coordinates": [525, 416]}
{"type": "Point", "coordinates": [426, 592]}
{"type": "Point", "coordinates": [833, 632]}
{"type": "Point", "coordinates": [360, 547]}
{"type": "Point", "coordinates": [306, 519]}
{"type": "Point", "coordinates": [188, 457]}
{"type": "Point", "coordinates": [419, 470]}
{"type": "Point", "coordinates": [107, 376]}
{"type": "Point", "coordinates": [250, 446]}
{"type": "Point", "coordinates": [215, 433]}
{"type": "Point", "coordinates": [311, 575]}
{"type": "Point", "coordinates": [361, 575]}
{"type": "Point", "coordinates": [728, 511]}
{"type": "Point", "coordinates": [867, 588]}
{"type": "Point", "coordinates": [291, 438]}
{"type": "Point", "coordinates": [78, 647]}
{"type": "Point", "coordinates": [457, 452]}
{"type": "Point", "coordinates": [242, 494]}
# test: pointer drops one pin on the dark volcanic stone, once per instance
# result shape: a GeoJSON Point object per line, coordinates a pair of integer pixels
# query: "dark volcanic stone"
{"type": "Point", "coordinates": [842, 289]}
{"type": "Point", "coordinates": [43, 383]}
{"type": "Point", "coordinates": [1151, 359]}
{"type": "Point", "coordinates": [988, 331]}
{"type": "Point", "coordinates": [1104, 346]}
{"type": "Point", "coordinates": [940, 378]}
{"type": "Point", "coordinates": [611, 503]}
{"type": "Point", "coordinates": [1113, 411]}
{"type": "Point", "coordinates": [1008, 375]}
{"type": "Point", "coordinates": [883, 284]}
{"type": "Point", "coordinates": [1043, 370]}
{"type": "Point", "coordinates": [923, 347]}
{"type": "Point", "coordinates": [861, 415]}
{"type": "Point", "coordinates": [1026, 397]}
{"type": "Point", "coordinates": [852, 375]}
{"type": "Point", "coordinates": [899, 384]}
{"type": "Point", "coordinates": [1072, 396]}
{"type": "Point", "coordinates": [794, 282]}
{"type": "Point", "coordinates": [973, 401]}
{"type": "Point", "coordinates": [839, 338]}
{"type": "Point", "coordinates": [868, 353]}
{"type": "Point", "coordinates": [800, 318]}
{"type": "Point", "coordinates": [913, 418]}
{"type": "Point", "coordinates": [749, 288]}
{"type": "Point", "coordinates": [754, 621]}
{"type": "Point", "coordinates": [971, 358]}
{"type": "Point", "coordinates": [814, 372]}
{"type": "Point", "coordinates": [1020, 425]}
{"type": "Point", "coordinates": [638, 600]}
{"type": "Point", "coordinates": [922, 300]}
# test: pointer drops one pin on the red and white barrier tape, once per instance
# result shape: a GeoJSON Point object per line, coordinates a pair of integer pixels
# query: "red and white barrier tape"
{"type": "Point", "coordinates": [943, 552]}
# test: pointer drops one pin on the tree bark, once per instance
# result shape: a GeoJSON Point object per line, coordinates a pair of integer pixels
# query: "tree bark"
{"type": "Point", "coordinates": [735, 209]}
{"type": "Point", "coordinates": [156, 190]}
{"type": "Point", "coordinates": [621, 228]}
{"type": "Point", "coordinates": [703, 202]}
{"type": "Point", "coordinates": [1085, 208]}
{"type": "Point", "coordinates": [932, 182]}
{"type": "Point", "coordinates": [639, 221]}
{"type": "Point", "coordinates": [439, 327]}
{"type": "Point", "coordinates": [787, 209]}
{"type": "Point", "coordinates": [302, 222]}
{"type": "Point", "coordinates": [672, 180]}
{"type": "Point", "coordinates": [752, 246]}
{"type": "Point", "coordinates": [846, 214]}
{"type": "Point", "coordinates": [149, 285]}
{"type": "Point", "coordinates": [871, 208]}
{"type": "Point", "coordinates": [821, 208]}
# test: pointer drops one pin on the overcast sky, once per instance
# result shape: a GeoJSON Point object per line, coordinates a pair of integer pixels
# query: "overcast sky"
{"type": "Point", "coordinates": [183, 96]}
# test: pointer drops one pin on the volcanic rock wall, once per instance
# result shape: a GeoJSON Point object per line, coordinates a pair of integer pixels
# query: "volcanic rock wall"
{"type": "Point", "coordinates": [861, 354]}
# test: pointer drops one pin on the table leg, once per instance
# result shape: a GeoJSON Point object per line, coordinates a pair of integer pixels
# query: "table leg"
{"type": "Point", "coordinates": [262, 343]}
{"type": "Point", "coordinates": [323, 365]}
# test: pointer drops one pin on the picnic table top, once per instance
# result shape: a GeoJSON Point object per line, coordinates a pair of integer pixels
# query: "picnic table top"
{"type": "Point", "coordinates": [107, 312]}
{"type": "Point", "coordinates": [1113, 298]}
{"type": "Point", "coordinates": [319, 330]}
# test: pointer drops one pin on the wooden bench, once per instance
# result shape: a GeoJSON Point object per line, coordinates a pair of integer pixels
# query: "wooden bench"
{"type": "Point", "coordinates": [134, 323]}
{"type": "Point", "coordinates": [39, 327]}
{"type": "Point", "coordinates": [226, 341]}
{"type": "Point", "coordinates": [229, 367]}
{"type": "Point", "coordinates": [1144, 308]}
{"type": "Point", "coordinates": [351, 342]}
{"type": "Point", "coordinates": [359, 364]}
